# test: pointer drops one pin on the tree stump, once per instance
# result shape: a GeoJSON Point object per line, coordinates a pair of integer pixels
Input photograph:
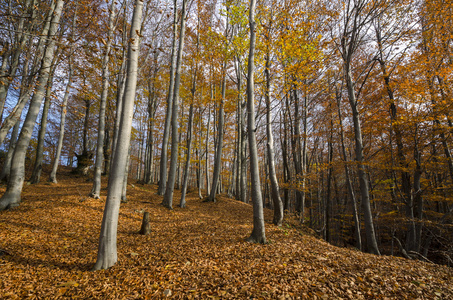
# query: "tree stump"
{"type": "Point", "coordinates": [146, 229]}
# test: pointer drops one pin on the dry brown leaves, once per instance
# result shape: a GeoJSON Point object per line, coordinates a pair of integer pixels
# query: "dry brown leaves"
{"type": "Point", "coordinates": [49, 245]}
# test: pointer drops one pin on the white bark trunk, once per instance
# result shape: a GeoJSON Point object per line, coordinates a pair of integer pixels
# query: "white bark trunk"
{"type": "Point", "coordinates": [37, 169]}
{"type": "Point", "coordinates": [164, 155]}
{"type": "Point", "coordinates": [218, 152]}
{"type": "Point", "coordinates": [258, 233]}
{"type": "Point", "coordinates": [107, 251]}
{"type": "Point", "coordinates": [168, 197]}
{"type": "Point", "coordinates": [53, 173]}
{"type": "Point", "coordinates": [96, 190]}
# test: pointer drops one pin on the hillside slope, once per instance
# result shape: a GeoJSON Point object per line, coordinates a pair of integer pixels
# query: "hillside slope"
{"type": "Point", "coordinates": [49, 244]}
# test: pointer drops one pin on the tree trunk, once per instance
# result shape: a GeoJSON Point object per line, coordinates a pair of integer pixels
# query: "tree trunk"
{"type": "Point", "coordinates": [36, 175]}
{"type": "Point", "coordinates": [168, 197]}
{"type": "Point", "coordinates": [258, 234]}
{"type": "Point", "coordinates": [328, 207]}
{"type": "Point", "coordinates": [12, 195]}
{"type": "Point", "coordinates": [96, 190]}
{"type": "Point", "coordinates": [286, 171]}
{"type": "Point", "coordinates": [53, 173]}
{"type": "Point", "coordinates": [363, 181]}
{"type": "Point", "coordinates": [276, 200]}
{"type": "Point", "coordinates": [107, 251]}
{"type": "Point", "coordinates": [242, 145]}
{"type": "Point", "coordinates": [84, 158]}
{"type": "Point", "coordinates": [351, 194]}
{"type": "Point", "coordinates": [121, 86]}
{"type": "Point", "coordinates": [146, 228]}
{"type": "Point", "coordinates": [168, 116]}
{"type": "Point", "coordinates": [218, 152]}
{"type": "Point", "coordinates": [182, 203]}
{"type": "Point", "coordinates": [152, 107]}
{"type": "Point", "coordinates": [207, 151]}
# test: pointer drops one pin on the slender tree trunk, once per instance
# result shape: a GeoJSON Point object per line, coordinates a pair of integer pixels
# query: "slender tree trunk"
{"type": "Point", "coordinates": [168, 196]}
{"type": "Point", "coordinates": [276, 200]}
{"type": "Point", "coordinates": [96, 190]}
{"type": "Point", "coordinates": [107, 251]}
{"type": "Point", "coordinates": [363, 181]}
{"type": "Point", "coordinates": [286, 171]}
{"type": "Point", "coordinates": [121, 86]}
{"type": "Point", "coordinates": [182, 203]}
{"type": "Point", "coordinates": [152, 107]}
{"type": "Point", "coordinates": [207, 152]}
{"type": "Point", "coordinates": [351, 194]}
{"type": "Point", "coordinates": [258, 233]}
{"type": "Point", "coordinates": [328, 207]}
{"type": "Point", "coordinates": [242, 159]}
{"type": "Point", "coordinates": [168, 116]}
{"type": "Point", "coordinates": [218, 152]}
{"type": "Point", "coordinates": [36, 175]}
{"type": "Point", "coordinates": [418, 199]}
{"type": "Point", "coordinates": [53, 173]}
{"type": "Point", "coordinates": [12, 195]}
{"type": "Point", "coordinates": [189, 132]}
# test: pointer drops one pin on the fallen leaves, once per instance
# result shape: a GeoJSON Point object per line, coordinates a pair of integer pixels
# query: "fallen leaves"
{"type": "Point", "coordinates": [193, 253]}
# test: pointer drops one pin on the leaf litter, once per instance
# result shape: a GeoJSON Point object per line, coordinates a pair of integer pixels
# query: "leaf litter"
{"type": "Point", "coordinates": [49, 243]}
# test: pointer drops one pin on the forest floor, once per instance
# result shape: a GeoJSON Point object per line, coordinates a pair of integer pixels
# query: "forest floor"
{"type": "Point", "coordinates": [49, 243]}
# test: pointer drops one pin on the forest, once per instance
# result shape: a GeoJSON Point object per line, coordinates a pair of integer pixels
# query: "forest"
{"type": "Point", "coordinates": [332, 114]}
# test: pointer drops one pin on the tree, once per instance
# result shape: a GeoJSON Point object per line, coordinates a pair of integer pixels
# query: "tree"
{"type": "Point", "coordinates": [107, 251]}
{"type": "Point", "coordinates": [96, 190]}
{"type": "Point", "coordinates": [56, 162]}
{"type": "Point", "coordinates": [357, 18]}
{"type": "Point", "coordinates": [37, 169]}
{"type": "Point", "coordinates": [275, 193]}
{"type": "Point", "coordinates": [168, 196]}
{"type": "Point", "coordinates": [168, 116]}
{"type": "Point", "coordinates": [258, 233]}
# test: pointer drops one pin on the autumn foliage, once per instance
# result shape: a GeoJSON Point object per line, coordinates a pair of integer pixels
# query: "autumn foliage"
{"type": "Point", "coordinates": [49, 244]}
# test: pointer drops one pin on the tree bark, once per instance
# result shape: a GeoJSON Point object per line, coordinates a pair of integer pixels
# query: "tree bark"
{"type": "Point", "coordinates": [36, 175]}
{"type": "Point", "coordinates": [351, 194]}
{"type": "Point", "coordinates": [53, 173]}
{"type": "Point", "coordinates": [276, 200]}
{"type": "Point", "coordinates": [258, 234]}
{"type": "Point", "coordinates": [168, 196]}
{"type": "Point", "coordinates": [218, 152]}
{"type": "Point", "coordinates": [182, 203]}
{"type": "Point", "coordinates": [363, 181]}
{"type": "Point", "coordinates": [96, 190]}
{"type": "Point", "coordinates": [107, 251]}
{"type": "Point", "coordinates": [168, 116]}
